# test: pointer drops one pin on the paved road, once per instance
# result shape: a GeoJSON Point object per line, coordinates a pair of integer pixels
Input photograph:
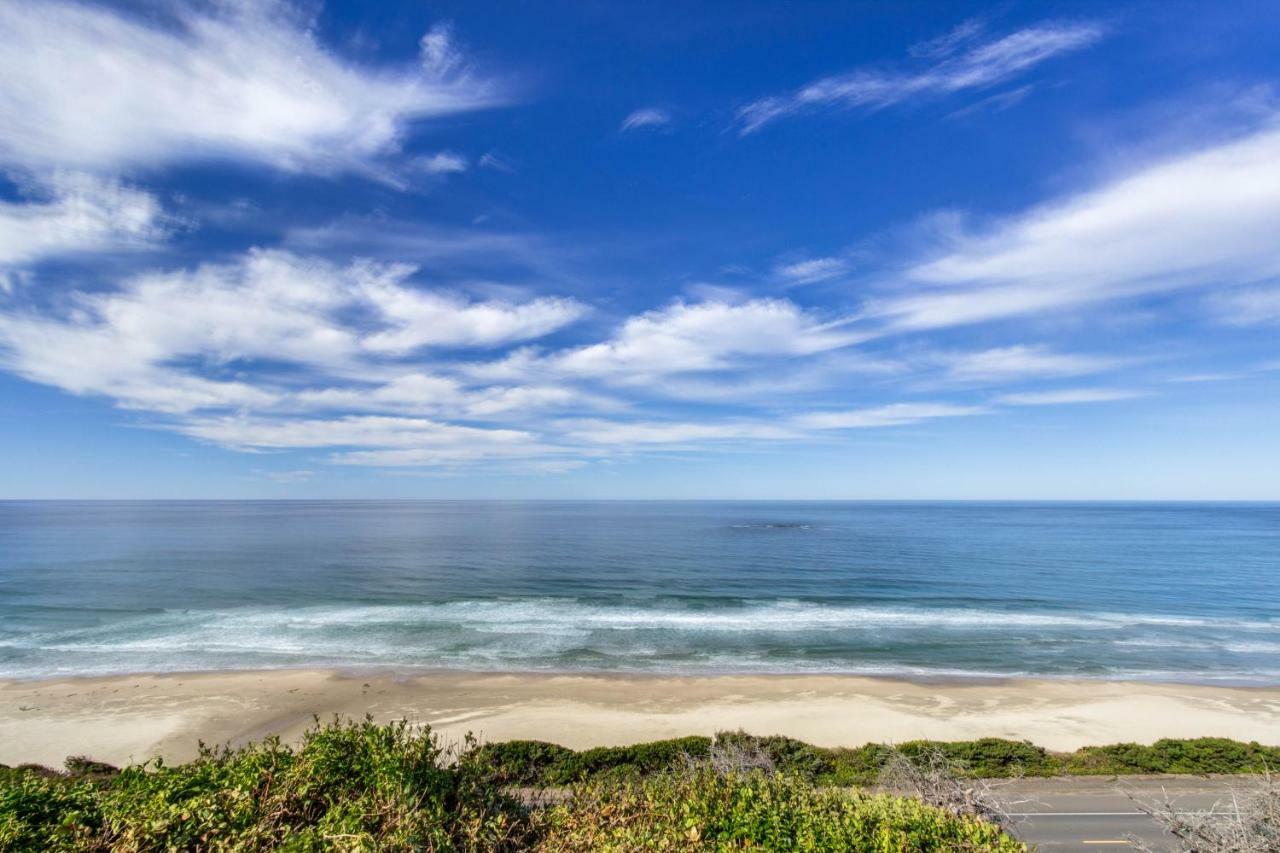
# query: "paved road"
{"type": "Point", "coordinates": [1094, 814]}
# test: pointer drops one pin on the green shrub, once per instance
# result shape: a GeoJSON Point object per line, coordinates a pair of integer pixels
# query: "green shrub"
{"type": "Point", "coordinates": [79, 765]}
{"type": "Point", "coordinates": [787, 755]}
{"type": "Point", "coordinates": [353, 785]}
{"type": "Point", "coordinates": [541, 764]}
{"type": "Point", "coordinates": [40, 811]}
{"type": "Point", "coordinates": [641, 758]}
{"type": "Point", "coordinates": [989, 757]}
{"type": "Point", "coordinates": [523, 762]}
{"type": "Point", "coordinates": [703, 810]}
{"type": "Point", "coordinates": [360, 786]}
{"type": "Point", "coordinates": [1199, 756]}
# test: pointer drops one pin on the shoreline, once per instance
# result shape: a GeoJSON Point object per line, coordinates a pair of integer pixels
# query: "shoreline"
{"type": "Point", "coordinates": [394, 672]}
{"type": "Point", "coordinates": [123, 718]}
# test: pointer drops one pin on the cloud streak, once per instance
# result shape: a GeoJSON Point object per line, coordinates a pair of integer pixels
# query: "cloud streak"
{"type": "Point", "coordinates": [98, 90]}
{"type": "Point", "coordinates": [650, 117]}
{"type": "Point", "coordinates": [976, 67]}
{"type": "Point", "coordinates": [1197, 220]}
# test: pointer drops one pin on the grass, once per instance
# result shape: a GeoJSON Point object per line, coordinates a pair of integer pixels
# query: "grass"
{"type": "Point", "coordinates": [362, 786]}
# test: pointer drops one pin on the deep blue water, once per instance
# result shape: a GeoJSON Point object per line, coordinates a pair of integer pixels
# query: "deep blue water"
{"type": "Point", "coordinates": [1165, 591]}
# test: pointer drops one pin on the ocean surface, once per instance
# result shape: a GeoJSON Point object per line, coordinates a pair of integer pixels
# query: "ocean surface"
{"type": "Point", "coordinates": [1187, 592]}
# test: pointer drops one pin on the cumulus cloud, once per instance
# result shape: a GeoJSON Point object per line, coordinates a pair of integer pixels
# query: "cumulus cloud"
{"type": "Point", "coordinates": [71, 213]}
{"type": "Point", "coordinates": [269, 307]}
{"type": "Point", "coordinates": [692, 337]}
{"type": "Point", "coordinates": [1202, 219]}
{"type": "Point", "coordinates": [98, 89]}
{"type": "Point", "coordinates": [646, 117]}
{"type": "Point", "coordinates": [418, 318]}
{"type": "Point", "coordinates": [978, 66]}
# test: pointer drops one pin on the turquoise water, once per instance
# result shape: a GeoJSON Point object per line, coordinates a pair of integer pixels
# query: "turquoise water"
{"type": "Point", "coordinates": [1162, 591]}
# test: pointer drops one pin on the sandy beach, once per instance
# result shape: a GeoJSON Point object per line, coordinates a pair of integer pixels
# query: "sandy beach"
{"type": "Point", "coordinates": [133, 718]}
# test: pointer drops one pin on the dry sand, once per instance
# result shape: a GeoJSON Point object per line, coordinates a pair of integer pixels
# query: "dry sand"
{"type": "Point", "coordinates": [133, 718]}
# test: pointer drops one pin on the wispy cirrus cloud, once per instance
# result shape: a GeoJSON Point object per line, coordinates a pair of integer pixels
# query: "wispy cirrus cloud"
{"type": "Point", "coordinates": [646, 117]}
{"type": "Point", "coordinates": [893, 414]}
{"type": "Point", "coordinates": [1006, 364]}
{"type": "Point", "coordinates": [956, 62]}
{"type": "Point", "coordinates": [1067, 396]}
{"type": "Point", "coordinates": [1249, 306]}
{"type": "Point", "coordinates": [1200, 219]}
{"type": "Point", "coordinates": [440, 163]}
{"type": "Point", "coordinates": [96, 89]}
{"type": "Point", "coordinates": [811, 270]}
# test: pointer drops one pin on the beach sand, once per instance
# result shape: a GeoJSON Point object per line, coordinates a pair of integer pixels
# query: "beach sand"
{"type": "Point", "coordinates": [133, 718]}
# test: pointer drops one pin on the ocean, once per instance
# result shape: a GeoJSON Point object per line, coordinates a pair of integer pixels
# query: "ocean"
{"type": "Point", "coordinates": [1185, 592]}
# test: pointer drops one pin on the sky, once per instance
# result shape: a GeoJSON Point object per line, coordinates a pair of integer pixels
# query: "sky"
{"type": "Point", "coordinates": [259, 249]}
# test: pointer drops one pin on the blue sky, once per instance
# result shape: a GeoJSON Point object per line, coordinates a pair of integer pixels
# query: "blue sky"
{"type": "Point", "coordinates": [727, 250]}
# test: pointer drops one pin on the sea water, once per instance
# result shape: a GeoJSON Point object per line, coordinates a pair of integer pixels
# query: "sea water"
{"type": "Point", "coordinates": [1186, 592]}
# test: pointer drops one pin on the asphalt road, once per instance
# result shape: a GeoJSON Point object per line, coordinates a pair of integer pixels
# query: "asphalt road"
{"type": "Point", "coordinates": [1095, 814]}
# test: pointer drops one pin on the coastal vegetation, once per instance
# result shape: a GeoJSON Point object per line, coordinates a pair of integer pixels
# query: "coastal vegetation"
{"type": "Point", "coordinates": [540, 764]}
{"type": "Point", "coordinates": [364, 786]}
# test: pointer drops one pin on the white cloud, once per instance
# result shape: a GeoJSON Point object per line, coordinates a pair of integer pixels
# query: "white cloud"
{"type": "Point", "coordinates": [894, 414]}
{"type": "Point", "coordinates": [440, 163]}
{"type": "Point", "coordinates": [1253, 306]}
{"type": "Point", "coordinates": [422, 393]}
{"type": "Point", "coordinates": [72, 213]}
{"type": "Point", "coordinates": [948, 43]}
{"type": "Point", "coordinates": [491, 160]}
{"type": "Point", "coordinates": [811, 270]}
{"type": "Point", "coordinates": [978, 67]}
{"type": "Point", "coordinates": [673, 434]}
{"type": "Point", "coordinates": [438, 49]}
{"type": "Point", "coordinates": [1203, 219]}
{"type": "Point", "coordinates": [1067, 396]}
{"type": "Point", "coordinates": [684, 338]}
{"type": "Point", "coordinates": [1003, 364]}
{"type": "Point", "coordinates": [269, 307]}
{"type": "Point", "coordinates": [350, 431]}
{"type": "Point", "coordinates": [647, 117]}
{"type": "Point", "coordinates": [419, 318]}
{"type": "Point", "coordinates": [96, 89]}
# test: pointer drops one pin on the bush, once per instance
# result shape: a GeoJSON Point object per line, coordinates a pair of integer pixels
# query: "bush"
{"type": "Point", "coordinates": [360, 786]}
{"type": "Point", "coordinates": [641, 758]}
{"type": "Point", "coordinates": [541, 764]}
{"type": "Point", "coordinates": [1199, 756]}
{"type": "Point", "coordinates": [354, 785]}
{"type": "Point", "coordinates": [523, 762]}
{"type": "Point", "coordinates": [79, 765]}
{"type": "Point", "coordinates": [989, 757]}
{"type": "Point", "coordinates": [40, 811]}
{"type": "Point", "coordinates": [701, 809]}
